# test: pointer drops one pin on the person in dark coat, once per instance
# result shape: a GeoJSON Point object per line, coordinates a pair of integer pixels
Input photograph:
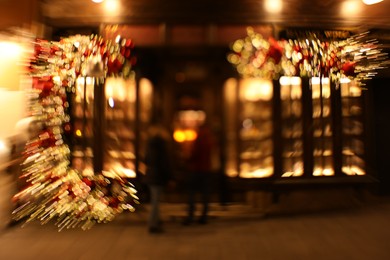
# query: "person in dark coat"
{"type": "Point", "coordinates": [158, 172]}
{"type": "Point", "coordinates": [199, 174]}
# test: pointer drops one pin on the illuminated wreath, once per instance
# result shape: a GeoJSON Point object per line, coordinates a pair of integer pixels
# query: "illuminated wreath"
{"type": "Point", "coordinates": [55, 191]}
{"type": "Point", "coordinates": [358, 57]}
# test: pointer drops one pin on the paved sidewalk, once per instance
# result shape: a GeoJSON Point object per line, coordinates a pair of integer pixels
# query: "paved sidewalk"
{"type": "Point", "coordinates": [360, 232]}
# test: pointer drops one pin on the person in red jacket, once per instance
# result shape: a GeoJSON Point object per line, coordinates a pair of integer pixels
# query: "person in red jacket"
{"type": "Point", "coordinates": [199, 165]}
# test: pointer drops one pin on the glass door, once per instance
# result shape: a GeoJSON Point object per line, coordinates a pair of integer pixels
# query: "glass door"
{"type": "Point", "coordinates": [255, 129]}
{"type": "Point", "coordinates": [352, 128]}
{"type": "Point", "coordinates": [322, 127]}
{"type": "Point", "coordinates": [82, 117]}
{"type": "Point", "coordinates": [291, 126]}
{"type": "Point", "coordinates": [145, 101]}
{"type": "Point", "coordinates": [230, 127]}
{"type": "Point", "coordinates": [120, 134]}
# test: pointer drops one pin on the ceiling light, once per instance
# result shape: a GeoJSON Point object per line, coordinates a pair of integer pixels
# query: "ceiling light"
{"type": "Point", "coordinates": [112, 6]}
{"type": "Point", "coordinates": [97, 1]}
{"type": "Point", "coordinates": [273, 6]}
{"type": "Point", "coordinates": [351, 8]}
{"type": "Point", "coordinates": [371, 2]}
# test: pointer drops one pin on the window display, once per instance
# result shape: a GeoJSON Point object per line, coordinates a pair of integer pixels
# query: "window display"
{"type": "Point", "coordinates": [82, 114]}
{"type": "Point", "coordinates": [322, 127]}
{"type": "Point", "coordinates": [352, 131]}
{"type": "Point", "coordinates": [255, 128]}
{"type": "Point", "coordinates": [292, 126]}
{"type": "Point", "coordinates": [301, 131]}
{"type": "Point", "coordinates": [120, 124]}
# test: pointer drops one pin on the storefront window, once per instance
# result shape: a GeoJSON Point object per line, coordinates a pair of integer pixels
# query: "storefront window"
{"type": "Point", "coordinates": [292, 126]}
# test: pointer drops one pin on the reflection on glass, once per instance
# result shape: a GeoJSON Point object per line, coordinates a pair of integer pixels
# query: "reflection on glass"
{"type": "Point", "coordinates": [120, 127]}
{"type": "Point", "coordinates": [120, 116]}
{"type": "Point", "coordinates": [250, 171]}
{"type": "Point", "coordinates": [352, 128]}
{"type": "Point", "coordinates": [327, 171]}
{"type": "Point", "coordinates": [256, 128]}
{"type": "Point", "coordinates": [322, 127]}
{"type": "Point", "coordinates": [296, 168]}
{"type": "Point", "coordinates": [291, 103]}
{"type": "Point", "coordinates": [84, 88]}
{"type": "Point", "coordinates": [185, 125]}
{"type": "Point", "coordinates": [255, 89]}
{"type": "Point", "coordinates": [230, 105]}
{"type": "Point", "coordinates": [82, 112]}
{"type": "Point", "coordinates": [145, 113]}
{"type": "Point", "coordinates": [146, 99]}
{"type": "Point", "coordinates": [320, 88]}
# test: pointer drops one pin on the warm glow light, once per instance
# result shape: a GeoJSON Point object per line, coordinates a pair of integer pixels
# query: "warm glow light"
{"type": "Point", "coordinates": [12, 55]}
{"type": "Point", "coordinates": [57, 79]}
{"type": "Point", "coordinates": [190, 135]}
{"type": "Point", "coordinates": [353, 170]}
{"type": "Point", "coordinates": [191, 118]}
{"type": "Point", "coordinates": [109, 88]}
{"type": "Point", "coordinates": [111, 102]}
{"type": "Point", "coordinates": [323, 172]}
{"type": "Point", "coordinates": [257, 173]}
{"type": "Point", "coordinates": [316, 81]}
{"type": "Point", "coordinates": [78, 132]}
{"type": "Point", "coordinates": [80, 81]}
{"type": "Point", "coordinates": [284, 80]}
{"type": "Point", "coordinates": [327, 172]}
{"type": "Point", "coordinates": [273, 6]}
{"type": "Point", "coordinates": [230, 90]}
{"type": "Point", "coordinates": [296, 81]}
{"type": "Point", "coordinates": [344, 80]}
{"type": "Point", "coordinates": [13, 111]}
{"type": "Point", "coordinates": [179, 136]}
{"type": "Point", "coordinates": [146, 86]}
{"type": "Point", "coordinates": [256, 89]}
{"type": "Point", "coordinates": [90, 80]}
{"type": "Point", "coordinates": [118, 169]}
{"type": "Point", "coordinates": [290, 87]}
{"type": "Point", "coordinates": [2, 145]}
{"type": "Point", "coordinates": [121, 91]}
{"type": "Point", "coordinates": [9, 49]}
{"type": "Point", "coordinates": [146, 98]}
{"type": "Point", "coordinates": [292, 174]}
{"type": "Point", "coordinates": [371, 2]}
{"type": "Point", "coordinates": [316, 88]}
{"type": "Point", "coordinates": [187, 135]}
{"type": "Point", "coordinates": [4, 152]}
{"type": "Point", "coordinates": [118, 38]}
{"type": "Point", "coordinates": [97, 1]}
{"type": "Point", "coordinates": [131, 90]}
{"type": "Point", "coordinates": [128, 173]}
{"type": "Point", "coordinates": [350, 7]}
{"type": "Point", "coordinates": [112, 6]}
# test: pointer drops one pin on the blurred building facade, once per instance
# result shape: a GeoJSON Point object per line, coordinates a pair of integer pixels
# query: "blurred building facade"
{"type": "Point", "coordinates": [267, 143]}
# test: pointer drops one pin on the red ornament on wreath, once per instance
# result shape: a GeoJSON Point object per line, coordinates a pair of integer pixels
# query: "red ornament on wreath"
{"type": "Point", "coordinates": [45, 84]}
{"type": "Point", "coordinates": [87, 181]}
{"type": "Point", "coordinates": [275, 51]}
{"type": "Point", "coordinates": [349, 68]}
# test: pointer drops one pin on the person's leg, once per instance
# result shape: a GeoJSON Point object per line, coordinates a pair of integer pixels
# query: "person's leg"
{"type": "Point", "coordinates": [191, 188]}
{"type": "Point", "coordinates": [205, 190]}
{"type": "Point", "coordinates": [154, 217]}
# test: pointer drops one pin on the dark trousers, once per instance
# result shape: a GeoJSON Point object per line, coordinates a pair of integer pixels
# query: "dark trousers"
{"type": "Point", "coordinates": [199, 183]}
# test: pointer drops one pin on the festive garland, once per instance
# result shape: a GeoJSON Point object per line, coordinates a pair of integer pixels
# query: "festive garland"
{"type": "Point", "coordinates": [358, 57]}
{"type": "Point", "coordinates": [53, 189]}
